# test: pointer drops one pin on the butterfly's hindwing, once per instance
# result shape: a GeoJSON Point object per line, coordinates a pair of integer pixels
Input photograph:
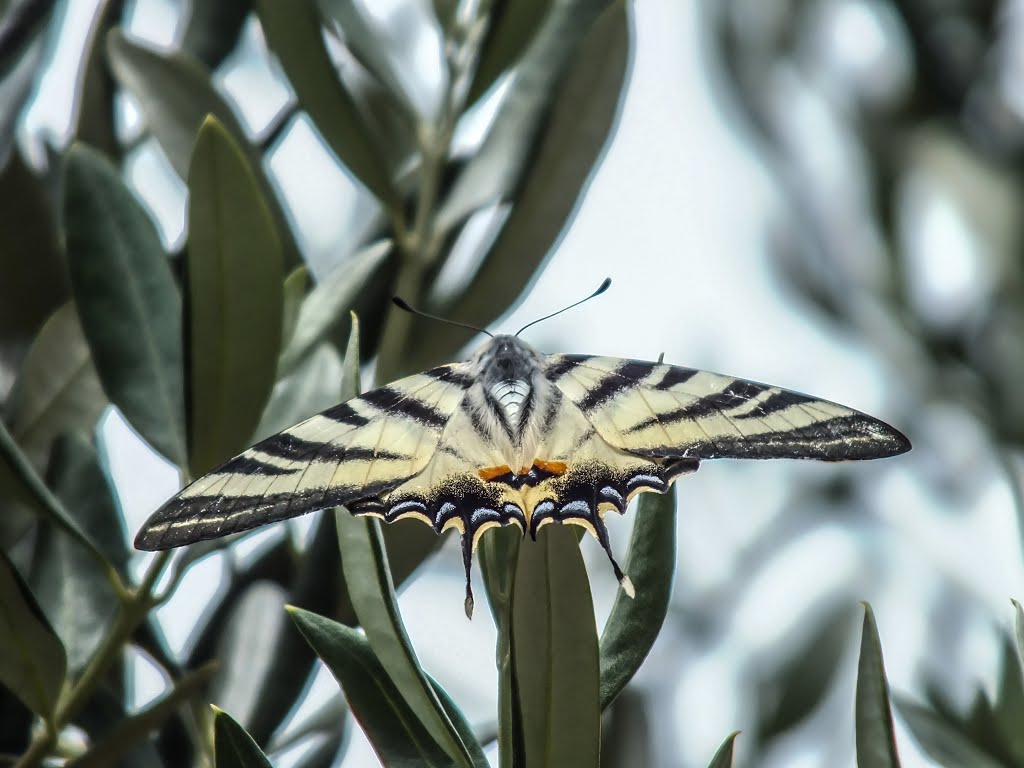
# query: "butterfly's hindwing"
{"type": "Point", "coordinates": [360, 449]}
{"type": "Point", "coordinates": [661, 410]}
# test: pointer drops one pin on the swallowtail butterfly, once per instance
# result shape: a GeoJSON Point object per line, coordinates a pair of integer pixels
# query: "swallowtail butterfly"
{"type": "Point", "coordinates": [514, 437]}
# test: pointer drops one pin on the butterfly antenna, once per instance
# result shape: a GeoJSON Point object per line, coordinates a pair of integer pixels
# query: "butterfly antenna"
{"type": "Point", "coordinates": [403, 304]}
{"type": "Point", "coordinates": [601, 289]}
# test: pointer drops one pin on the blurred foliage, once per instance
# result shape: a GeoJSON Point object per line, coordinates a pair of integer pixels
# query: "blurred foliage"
{"type": "Point", "coordinates": [207, 345]}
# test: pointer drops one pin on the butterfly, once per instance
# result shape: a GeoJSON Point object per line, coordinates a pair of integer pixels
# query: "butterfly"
{"type": "Point", "coordinates": [514, 437]}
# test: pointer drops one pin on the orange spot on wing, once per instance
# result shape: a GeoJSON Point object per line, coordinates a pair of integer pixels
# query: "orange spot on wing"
{"type": "Point", "coordinates": [554, 467]}
{"type": "Point", "coordinates": [489, 473]}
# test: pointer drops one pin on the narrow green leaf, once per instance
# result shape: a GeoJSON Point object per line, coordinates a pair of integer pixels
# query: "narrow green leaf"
{"type": "Point", "coordinates": [498, 553]}
{"type": "Point", "coordinates": [295, 286]}
{"type": "Point", "coordinates": [350, 382]}
{"type": "Point", "coordinates": [127, 301]}
{"type": "Point", "coordinates": [32, 660]}
{"type": "Point", "coordinates": [97, 91]}
{"type": "Point", "coordinates": [73, 587]}
{"type": "Point", "coordinates": [555, 653]}
{"type": "Point", "coordinates": [723, 757]}
{"type": "Point", "coordinates": [331, 297]}
{"type": "Point", "coordinates": [473, 747]}
{"type": "Point", "coordinates": [1007, 713]}
{"type": "Point", "coordinates": [1018, 630]}
{"type": "Point", "coordinates": [549, 174]}
{"type": "Point", "coordinates": [132, 730]}
{"type": "Point", "coordinates": [394, 731]}
{"type": "Point", "coordinates": [235, 272]}
{"type": "Point", "coordinates": [293, 33]}
{"type": "Point", "coordinates": [233, 747]}
{"type": "Point", "coordinates": [513, 23]}
{"type": "Point", "coordinates": [58, 388]}
{"type": "Point", "coordinates": [634, 623]}
{"type": "Point", "coordinates": [939, 740]}
{"type": "Point", "coordinates": [365, 565]}
{"type": "Point", "coordinates": [876, 739]}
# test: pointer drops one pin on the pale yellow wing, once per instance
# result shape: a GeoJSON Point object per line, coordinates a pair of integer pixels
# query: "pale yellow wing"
{"type": "Point", "coordinates": [666, 411]}
{"type": "Point", "coordinates": [362, 448]}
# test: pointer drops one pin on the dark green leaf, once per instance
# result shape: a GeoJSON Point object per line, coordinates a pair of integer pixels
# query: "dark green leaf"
{"type": "Point", "coordinates": [634, 623]}
{"type": "Point", "coordinates": [397, 735]}
{"type": "Point", "coordinates": [294, 35]}
{"type": "Point", "coordinates": [1008, 711]}
{"type": "Point", "coordinates": [235, 273]}
{"type": "Point", "coordinates": [876, 740]}
{"type": "Point", "coordinates": [939, 740]}
{"type": "Point", "coordinates": [551, 180]}
{"type": "Point", "coordinates": [234, 748]}
{"type": "Point", "coordinates": [213, 29]}
{"type": "Point", "coordinates": [723, 757]}
{"type": "Point", "coordinates": [32, 660]}
{"type": "Point", "coordinates": [365, 565]}
{"type": "Point", "coordinates": [175, 94]}
{"type": "Point", "coordinates": [498, 553]}
{"type": "Point", "coordinates": [555, 653]}
{"type": "Point", "coordinates": [127, 300]}
{"type": "Point", "coordinates": [513, 23]}
{"type": "Point", "coordinates": [334, 295]}
{"type": "Point", "coordinates": [35, 280]}
{"type": "Point", "coordinates": [132, 730]}
{"type": "Point", "coordinates": [97, 89]}
{"type": "Point", "coordinates": [58, 388]}
{"type": "Point", "coordinates": [72, 588]}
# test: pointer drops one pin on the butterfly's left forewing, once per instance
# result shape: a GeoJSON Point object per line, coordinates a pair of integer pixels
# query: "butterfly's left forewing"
{"type": "Point", "coordinates": [362, 448]}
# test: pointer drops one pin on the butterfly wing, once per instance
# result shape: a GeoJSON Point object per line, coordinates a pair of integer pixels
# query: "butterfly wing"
{"type": "Point", "coordinates": [362, 448]}
{"type": "Point", "coordinates": [665, 411]}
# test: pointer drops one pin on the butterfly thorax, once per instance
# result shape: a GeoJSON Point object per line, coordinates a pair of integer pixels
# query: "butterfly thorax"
{"type": "Point", "coordinates": [509, 397]}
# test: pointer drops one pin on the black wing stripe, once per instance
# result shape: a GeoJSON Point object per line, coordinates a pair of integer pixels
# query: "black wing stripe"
{"type": "Point", "coordinates": [450, 375]}
{"type": "Point", "coordinates": [345, 414]}
{"type": "Point", "coordinates": [675, 375]}
{"type": "Point", "coordinates": [778, 401]}
{"type": "Point", "coordinates": [564, 365]}
{"type": "Point", "coordinates": [628, 374]}
{"type": "Point", "coordinates": [391, 400]}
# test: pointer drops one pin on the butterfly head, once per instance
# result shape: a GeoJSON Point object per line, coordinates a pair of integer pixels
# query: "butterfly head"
{"type": "Point", "coordinates": [506, 358]}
